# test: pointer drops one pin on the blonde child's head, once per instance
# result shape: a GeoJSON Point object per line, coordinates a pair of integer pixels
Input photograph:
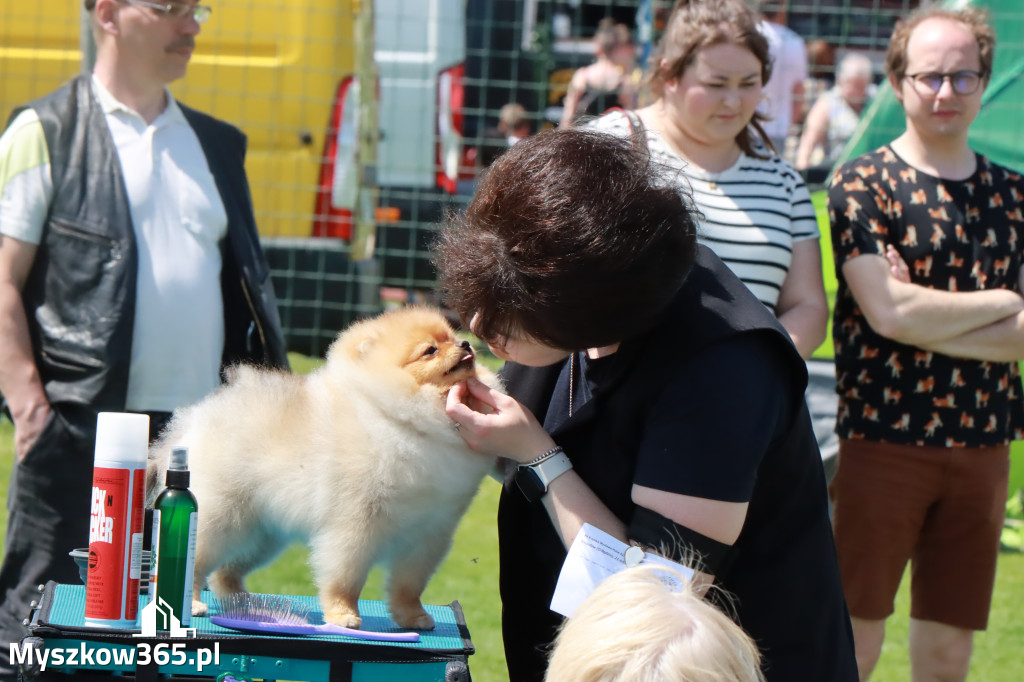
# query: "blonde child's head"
{"type": "Point", "coordinates": [636, 627]}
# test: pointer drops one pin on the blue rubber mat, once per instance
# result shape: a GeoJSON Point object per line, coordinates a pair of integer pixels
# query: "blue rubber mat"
{"type": "Point", "coordinates": [67, 612]}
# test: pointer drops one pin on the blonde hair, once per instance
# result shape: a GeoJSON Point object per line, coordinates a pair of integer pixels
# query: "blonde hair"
{"type": "Point", "coordinates": [854, 64]}
{"type": "Point", "coordinates": [513, 115]}
{"type": "Point", "coordinates": [635, 627]}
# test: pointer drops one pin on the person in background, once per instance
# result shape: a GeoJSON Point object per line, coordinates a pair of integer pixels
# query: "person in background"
{"type": "Point", "coordinates": [834, 116]}
{"type": "Point", "coordinates": [783, 104]}
{"type": "Point", "coordinates": [513, 125]}
{"type": "Point", "coordinates": [513, 122]}
{"type": "Point", "coordinates": [637, 627]}
{"type": "Point", "coordinates": [708, 74]}
{"type": "Point", "coordinates": [130, 274]}
{"type": "Point", "coordinates": [650, 394]}
{"type": "Point", "coordinates": [609, 81]}
{"type": "Point", "coordinates": [927, 333]}
{"type": "Point", "coordinates": [821, 67]}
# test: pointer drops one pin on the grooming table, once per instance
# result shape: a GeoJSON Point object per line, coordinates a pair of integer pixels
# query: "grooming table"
{"type": "Point", "coordinates": [58, 624]}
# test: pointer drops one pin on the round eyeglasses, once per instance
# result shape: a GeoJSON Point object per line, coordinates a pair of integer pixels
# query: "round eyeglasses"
{"type": "Point", "coordinates": [175, 10]}
{"type": "Point", "coordinates": [929, 83]}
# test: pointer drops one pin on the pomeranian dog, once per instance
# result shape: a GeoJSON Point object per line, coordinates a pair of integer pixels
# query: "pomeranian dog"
{"type": "Point", "coordinates": [357, 459]}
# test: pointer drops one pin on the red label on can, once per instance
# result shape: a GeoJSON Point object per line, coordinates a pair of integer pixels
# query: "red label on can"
{"type": "Point", "coordinates": [111, 497]}
{"type": "Point", "coordinates": [131, 610]}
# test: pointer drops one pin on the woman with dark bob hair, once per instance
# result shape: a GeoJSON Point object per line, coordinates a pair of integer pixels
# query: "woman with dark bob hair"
{"type": "Point", "coordinates": [650, 395]}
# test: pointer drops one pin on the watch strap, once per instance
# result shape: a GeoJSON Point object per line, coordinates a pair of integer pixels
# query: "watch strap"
{"type": "Point", "coordinates": [534, 479]}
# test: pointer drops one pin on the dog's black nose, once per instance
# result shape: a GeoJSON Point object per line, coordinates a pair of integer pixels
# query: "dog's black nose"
{"type": "Point", "coordinates": [466, 345]}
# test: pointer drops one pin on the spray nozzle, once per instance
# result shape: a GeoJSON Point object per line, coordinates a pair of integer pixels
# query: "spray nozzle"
{"type": "Point", "coordinates": [179, 459]}
{"type": "Point", "coordinates": [177, 468]}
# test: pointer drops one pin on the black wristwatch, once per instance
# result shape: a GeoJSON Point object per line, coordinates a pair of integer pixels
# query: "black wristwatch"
{"type": "Point", "coordinates": [534, 477]}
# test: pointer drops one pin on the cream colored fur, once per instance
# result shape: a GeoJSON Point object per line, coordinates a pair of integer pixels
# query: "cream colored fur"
{"type": "Point", "coordinates": [357, 459]}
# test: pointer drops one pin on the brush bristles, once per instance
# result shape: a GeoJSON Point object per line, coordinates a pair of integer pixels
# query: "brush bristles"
{"type": "Point", "coordinates": [263, 608]}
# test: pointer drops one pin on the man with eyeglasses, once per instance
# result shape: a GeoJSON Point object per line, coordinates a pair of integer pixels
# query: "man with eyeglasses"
{"type": "Point", "coordinates": [927, 329]}
{"type": "Point", "coordinates": [130, 274]}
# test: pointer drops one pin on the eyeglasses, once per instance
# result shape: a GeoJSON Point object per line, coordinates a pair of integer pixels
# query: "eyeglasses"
{"type": "Point", "coordinates": [930, 82]}
{"type": "Point", "coordinates": [175, 10]}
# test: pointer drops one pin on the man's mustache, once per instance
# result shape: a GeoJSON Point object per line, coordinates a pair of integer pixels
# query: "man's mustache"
{"type": "Point", "coordinates": [190, 43]}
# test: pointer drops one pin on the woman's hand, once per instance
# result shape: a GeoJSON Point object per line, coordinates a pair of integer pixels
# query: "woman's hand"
{"type": "Point", "coordinates": [495, 424]}
{"type": "Point", "coordinates": [802, 307]}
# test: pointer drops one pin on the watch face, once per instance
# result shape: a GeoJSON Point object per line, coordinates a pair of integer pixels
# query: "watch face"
{"type": "Point", "coordinates": [529, 484]}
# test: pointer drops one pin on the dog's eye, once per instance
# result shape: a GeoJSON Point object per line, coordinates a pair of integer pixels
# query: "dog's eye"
{"type": "Point", "coordinates": [430, 350]}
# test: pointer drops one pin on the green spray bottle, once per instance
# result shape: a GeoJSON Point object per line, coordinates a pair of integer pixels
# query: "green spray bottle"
{"type": "Point", "coordinates": [175, 514]}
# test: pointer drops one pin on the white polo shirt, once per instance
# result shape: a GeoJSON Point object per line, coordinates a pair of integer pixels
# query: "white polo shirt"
{"type": "Point", "coordinates": [179, 220]}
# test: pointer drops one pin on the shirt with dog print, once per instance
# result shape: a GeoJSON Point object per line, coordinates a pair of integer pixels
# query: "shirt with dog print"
{"type": "Point", "coordinates": [954, 235]}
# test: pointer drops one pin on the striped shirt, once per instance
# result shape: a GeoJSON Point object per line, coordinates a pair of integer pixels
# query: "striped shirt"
{"type": "Point", "coordinates": [751, 213]}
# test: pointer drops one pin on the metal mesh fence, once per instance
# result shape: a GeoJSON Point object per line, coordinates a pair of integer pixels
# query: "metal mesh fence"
{"type": "Point", "coordinates": [287, 72]}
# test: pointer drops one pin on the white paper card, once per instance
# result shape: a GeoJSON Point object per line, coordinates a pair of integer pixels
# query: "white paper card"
{"type": "Point", "coordinates": [593, 556]}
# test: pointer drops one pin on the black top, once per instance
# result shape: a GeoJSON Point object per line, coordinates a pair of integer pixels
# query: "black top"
{"type": "Point", "coordinates": [595, 101]}
{"type": "Point", "coordinates": [710, 404]}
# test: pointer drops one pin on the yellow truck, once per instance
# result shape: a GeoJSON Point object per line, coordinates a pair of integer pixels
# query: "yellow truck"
{"type": "Point", "coordinates": [284, 72]}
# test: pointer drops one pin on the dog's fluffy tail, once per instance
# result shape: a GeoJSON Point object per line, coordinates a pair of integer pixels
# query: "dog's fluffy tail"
{"type": "Point", "coordinates": [156, 468]}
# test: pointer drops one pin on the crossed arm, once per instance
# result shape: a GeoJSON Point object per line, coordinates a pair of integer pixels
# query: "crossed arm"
{"type": "Point", "coordinates": [980, 325]}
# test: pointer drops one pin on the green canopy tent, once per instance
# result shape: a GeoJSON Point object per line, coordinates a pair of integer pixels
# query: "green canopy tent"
{"type": "Point", "coordinates": [998, 132]}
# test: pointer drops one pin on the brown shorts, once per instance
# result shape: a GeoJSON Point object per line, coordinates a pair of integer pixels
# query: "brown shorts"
{"type": "Point", "coordinates": [941, 508]}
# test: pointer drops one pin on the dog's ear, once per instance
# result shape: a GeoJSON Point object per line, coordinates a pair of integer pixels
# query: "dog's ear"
{"type": "Point", "coordinates": [366, 345]}
{"type": "Point", "coordinates": [356, 342]}
{"type": "Point", "coordinates": [367, 338]}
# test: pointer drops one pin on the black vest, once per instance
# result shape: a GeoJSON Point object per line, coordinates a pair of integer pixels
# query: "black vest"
{"type": "Point", "coordinates": [787, 523]}
{"type": "Point", "coordinates": [80, 294]}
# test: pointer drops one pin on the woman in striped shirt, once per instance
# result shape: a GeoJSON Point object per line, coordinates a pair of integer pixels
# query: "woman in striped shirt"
{"type": "Point", "coordinates": [704, 129]}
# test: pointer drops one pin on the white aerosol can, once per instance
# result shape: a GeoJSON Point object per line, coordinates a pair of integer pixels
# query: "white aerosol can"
{"type": "Point", "coordinates": [116, 522]}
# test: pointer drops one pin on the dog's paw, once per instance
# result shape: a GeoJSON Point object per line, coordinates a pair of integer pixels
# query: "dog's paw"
{"type": "Point", "coordinates": [413, 619]}
{"type": "Point", "coordinates": [343, 618]}
{"type": "Point", "coordinates": [199, 608]}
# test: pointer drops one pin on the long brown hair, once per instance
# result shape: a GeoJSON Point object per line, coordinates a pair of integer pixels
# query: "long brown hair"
{"type": "Point", "coordinates": [696, 24]}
